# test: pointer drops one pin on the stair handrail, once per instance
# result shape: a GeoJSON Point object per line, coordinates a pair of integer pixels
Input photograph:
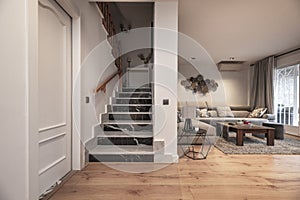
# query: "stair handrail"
{"type": "Point", "coordinates": [102, 86]}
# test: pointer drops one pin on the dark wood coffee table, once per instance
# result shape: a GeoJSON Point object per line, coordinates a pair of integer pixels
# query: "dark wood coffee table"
{"type": "Point", "coordinates": [241, 130]}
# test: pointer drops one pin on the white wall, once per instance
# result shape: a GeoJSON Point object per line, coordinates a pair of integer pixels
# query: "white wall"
{"type": "Point", "coordinates": [95, 67]}
{"type": "Point", "coordinates": [92, 32]}
{"type": "Point", "coordinates": [18, 142]}
{"type": "Point", "coordinates": [186, 71]}
{"type": "Point", "coordinates": [237, 86]}
{"type": "Point", "coordinates": [165, 80]}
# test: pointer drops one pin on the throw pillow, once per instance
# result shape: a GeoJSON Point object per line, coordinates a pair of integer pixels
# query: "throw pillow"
{"type": "Point", "coordinates": [201, 112]}
{"type": "Point", "coordinates": [179, 117]}
{"type": "Point", "coordinates": [257, 113]}
{"type": "Point", "coordinates": [212, 113]}
{"type": "Point", "coordinates": [224, 111]}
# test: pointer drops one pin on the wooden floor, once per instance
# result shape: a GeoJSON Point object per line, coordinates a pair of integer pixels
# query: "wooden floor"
{"type": "Point", "coordinates": [218, 177]}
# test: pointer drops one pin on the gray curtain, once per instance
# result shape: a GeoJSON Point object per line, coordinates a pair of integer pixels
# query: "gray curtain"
{"type": "Point", "coordinates": [262, 93]}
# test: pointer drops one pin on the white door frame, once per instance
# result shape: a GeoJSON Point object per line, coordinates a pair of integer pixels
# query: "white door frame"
{"type": "Point", "coordinates": [77, 145]}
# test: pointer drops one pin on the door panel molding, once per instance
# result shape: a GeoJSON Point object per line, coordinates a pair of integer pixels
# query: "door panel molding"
{"type": "Point", "coordinates": [53, 60]}
{"type": "Point", "coordinates": [48, 128]}
{"type": "Point", "coordinates": [56, 162]}
{"type": "Point", "coordinates": [52, 138]}
{"type": "Point", "coordinates": [46, 5]}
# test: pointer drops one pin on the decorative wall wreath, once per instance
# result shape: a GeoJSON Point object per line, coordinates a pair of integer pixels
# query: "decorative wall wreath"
{"type": "Point", "coordinates": [200, 85]}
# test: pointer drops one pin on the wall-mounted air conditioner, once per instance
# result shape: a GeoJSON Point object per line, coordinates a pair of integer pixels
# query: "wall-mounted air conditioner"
{"type": "Point", "coordinates": [231, 65]}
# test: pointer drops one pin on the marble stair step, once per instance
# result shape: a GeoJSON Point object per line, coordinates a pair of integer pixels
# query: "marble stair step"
{"type": "Point", "coordinates": [129, 108]}
{"type": "Point", "coordinates": [133, 94]}
{"type": "Point", "coordinates": [130, 141]}
{"type": "Point", "coordinates": [132, 101]}
{"type": "Point", "coordinates": [127, 127]}
{"type": "Point", "coordinates": [129, 116]}
{"type": "Point", "coordinates": [135, 113]}
{"type": "Point", "coordinates": [128, 122]}
{"type": "Point", "coordinates": [130, 105]}
{"type": "Point", "coordinates": [141, 89]}
{"type": "Point", "coordinates": [122, 149]}
{"type": "Point", "coordinates": [126, 134]}
{"type": "Point", "coordinates": [122, 153]}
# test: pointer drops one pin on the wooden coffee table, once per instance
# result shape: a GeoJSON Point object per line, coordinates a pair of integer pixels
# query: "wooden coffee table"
{"type": "Point", "coordinates": [241, 130]}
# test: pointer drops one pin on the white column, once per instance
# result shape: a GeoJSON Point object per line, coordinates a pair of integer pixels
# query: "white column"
{"type": "Point", "coordinates": [18, 108]}
{"type": "Point", "coordinates": [165, 80]}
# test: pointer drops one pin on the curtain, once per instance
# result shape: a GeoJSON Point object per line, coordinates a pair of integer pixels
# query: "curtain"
{"type": "Point", "coordinates": [262, 92]}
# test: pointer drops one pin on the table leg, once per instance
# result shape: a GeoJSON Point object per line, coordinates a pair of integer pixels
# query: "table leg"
{"type": "Point", "coordinates": [239, 138]}
{"type": "Point", "coordinates": [225, 132]}
{"type": "Point", "coordinates": [270, 138]}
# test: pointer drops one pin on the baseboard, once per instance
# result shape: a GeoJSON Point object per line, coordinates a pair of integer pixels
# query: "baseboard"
{"type": "Point", "coordinates": [293, 130]}
{"type": "Point", "coordinates": [292, 135]}
{"type": "Point", "coordinates": [165, 158]}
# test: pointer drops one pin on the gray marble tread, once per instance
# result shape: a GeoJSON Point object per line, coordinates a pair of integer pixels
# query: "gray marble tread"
{"type": "Point", "coordinates": [126, 134]}
{"type": "Point", "coordinates": [122, 149]}
{"type": "Point", "coordinates": [128, 122]}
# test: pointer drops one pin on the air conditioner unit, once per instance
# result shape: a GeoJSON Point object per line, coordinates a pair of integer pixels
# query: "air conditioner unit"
{"type": "Point", "coordinates": [230, 65]}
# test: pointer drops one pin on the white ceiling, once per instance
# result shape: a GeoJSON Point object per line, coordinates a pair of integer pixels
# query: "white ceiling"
{"type": "Point", "coordinates": [245, 29]}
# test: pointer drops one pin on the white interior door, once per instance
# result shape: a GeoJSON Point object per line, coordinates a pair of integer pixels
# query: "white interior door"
{"type": "Point", "coordinates": [54, 93]}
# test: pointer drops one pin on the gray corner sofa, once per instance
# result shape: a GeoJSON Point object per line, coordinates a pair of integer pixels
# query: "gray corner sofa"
{"type": "Point", "coordinates": [240, 112]}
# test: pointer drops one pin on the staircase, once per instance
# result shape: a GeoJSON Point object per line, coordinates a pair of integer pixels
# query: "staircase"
{"type": "Point", "coordinates": [125, 133]}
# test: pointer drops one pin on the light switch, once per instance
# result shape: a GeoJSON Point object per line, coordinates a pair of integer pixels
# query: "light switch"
{"type": "Point", "coordinates": [165, 101]}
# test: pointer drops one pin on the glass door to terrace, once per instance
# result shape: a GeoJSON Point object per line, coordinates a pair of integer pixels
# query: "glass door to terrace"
{"type": "Point", "coordinates": [287, 97]}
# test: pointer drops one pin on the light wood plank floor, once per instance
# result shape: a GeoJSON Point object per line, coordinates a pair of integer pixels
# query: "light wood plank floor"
{"type": "Point", "coordinates": [218, 177]}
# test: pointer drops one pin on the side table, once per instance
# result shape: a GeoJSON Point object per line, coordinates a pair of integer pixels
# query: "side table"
{"type": "Point", "coordinates": [192, 138]}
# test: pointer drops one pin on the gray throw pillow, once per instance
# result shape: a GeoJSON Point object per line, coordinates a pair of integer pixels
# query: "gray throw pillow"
{"type": "Point", "coordinates": [212, 113]}
{"type": "Point", "coordinates": [224, 111]}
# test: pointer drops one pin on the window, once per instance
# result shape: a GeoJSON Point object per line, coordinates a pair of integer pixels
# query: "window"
{"type": "Point", "coordinates": [287, 95]}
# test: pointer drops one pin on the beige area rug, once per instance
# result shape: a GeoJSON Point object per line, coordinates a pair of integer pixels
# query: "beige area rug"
{"type": "Point", "coordinates": [254, 145]}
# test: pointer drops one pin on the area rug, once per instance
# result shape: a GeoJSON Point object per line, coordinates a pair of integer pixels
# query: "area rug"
{"type": "Point", "coordinates": [254, 145]}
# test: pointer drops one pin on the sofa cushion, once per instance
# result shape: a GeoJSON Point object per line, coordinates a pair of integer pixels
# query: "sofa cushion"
{"type": "Point", "coordinates": [201, 112]}
{"type": "Point", "coordinates": [198, 104]}
{"type": "Point", "coordinates": [240, 113]}
{"type": "Point", "coordinates": [240, 108]}
{"type": "Point", "coordinates": [270, 117]}
{"type": "Point", "coordinates": [257, 113]}
{"type": "Point", "coordinates": [224, 111]}
{"type": "Point", "coordinates": [213, 121]}
{"type": "Point", "coordinates": [212, 113]}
